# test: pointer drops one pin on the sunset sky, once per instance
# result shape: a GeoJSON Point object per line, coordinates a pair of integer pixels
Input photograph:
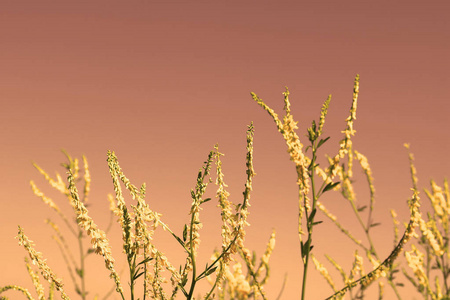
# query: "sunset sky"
{"type": "Point", "coordinates": [161, 82]}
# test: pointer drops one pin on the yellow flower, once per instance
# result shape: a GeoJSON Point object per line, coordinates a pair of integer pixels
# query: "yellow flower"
{"type": "Point", "coordinates": [98, 237]}
{"type": "Point", "coordinates": [37, 259]}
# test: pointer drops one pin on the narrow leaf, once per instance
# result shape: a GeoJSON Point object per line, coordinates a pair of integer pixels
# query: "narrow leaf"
{"type": "Point", "coordinates": [185, 233]}
{"type": "Point", "coordinates": [210, 271]}
{"type": "Point", "coordinates": [79, 272]}
{"type": "Point", "coordinates": [312, 215]}
{"type": "Point", "coordinates": [179, 240]}
{"type": "Point", "coordinates": [362, 208]}
{"type": "Point", "coordinates": [145, 261]}
{"type": "Point", "coordinates": [330, 186]}
{"type": "Point", "coordinates": [322, 141]}
{"type": "Point", "coordinates": [184, 280]}
{"type": "Point", "coordinates": [138, 275]}
{"type": "Point", "coordinates": [206, 200]}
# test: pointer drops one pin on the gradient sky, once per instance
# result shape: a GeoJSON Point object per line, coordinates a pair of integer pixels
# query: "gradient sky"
{"type": "Point", "coordinates": [160, 82]}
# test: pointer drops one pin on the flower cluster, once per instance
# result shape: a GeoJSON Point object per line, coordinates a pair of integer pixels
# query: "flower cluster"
{"type": "Point", "coordinates": [99, 240]}
{"type": "Point", "coordinates": [37, 259]}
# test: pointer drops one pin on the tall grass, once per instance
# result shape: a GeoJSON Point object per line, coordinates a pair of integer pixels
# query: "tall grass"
{"type": "Point", "coordinates": [234, 271]}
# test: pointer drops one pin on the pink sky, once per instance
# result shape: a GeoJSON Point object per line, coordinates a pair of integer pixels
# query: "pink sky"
{"type": "Point", "coordinates": [160, 82]}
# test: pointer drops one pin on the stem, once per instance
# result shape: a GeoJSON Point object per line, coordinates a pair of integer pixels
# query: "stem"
{"type": "Point", "coordinates": [253, 275]}
{"type": "Point", "coordinates": [310, 221]}
{"type": "Point", "coordinates": [427, 294]}
{"type": "Point", "coordinates": [372, 247]}
{"type": "Point", "coordinates": [391, 283]}
{"type": "Point", "coordinates": [444, 274]}
{"type": "Point", "coordinates": [191, 255]}
{"type": "Point", "coordinates": [132, 265]}
{"type": "Point", "coordinates": [145, 271]}
{"type": "Point", "coordinates": [81, 271]}
{"type": "Point", "coordinates": [282, 287]}
{"type": "Point", "coordinates": [218, 258]}
{"type": "Point", "coordinates": [212, 289]}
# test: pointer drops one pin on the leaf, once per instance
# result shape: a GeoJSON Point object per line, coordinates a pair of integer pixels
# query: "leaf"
{"type": "Point", "coordinates": [210, 271]}
{"type": "Point", "coordinates": [330, 186]}
{"type": "Point", "coordinates": [438, 264]}
{"type": "Point", "coordinates": [317, 223]}
{"type": "Point", "coordinates": [375, 224]}
{"type": "Point", "coordinates": [184, 233]}
{"type": "Point", "coordinates": [205, 200]}
{"type": "Point", "coordinates": [77, 289]}
{"type": "Point", "coordinates": [311, 216]}
{"type": "Point", "coordinates": [322, 141]}
{"type": "Point", "coordinates": [79, 272]}
{"type": "Point", "coordinates": [146, 260]}
{"type": "Point", "coordinates": [184, 280]}
{"type": "Point", "coordinates": [138, 275]}
{"type": "Point", "coordinates": [399, 284]}
{"type": "Point", "coordinates": [304, 249]}
{"type": "Point", "coordinates": [360, 209]}
{"type": "Point", "coordinates": [179, 240]}
{"type": "Point", "coordinates": [311, 134]}
{"type": "Point", "coordinates": [312, 164]}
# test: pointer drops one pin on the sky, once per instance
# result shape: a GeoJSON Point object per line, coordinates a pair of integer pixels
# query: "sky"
{"type": "Point", "coordinates": [161, 82]}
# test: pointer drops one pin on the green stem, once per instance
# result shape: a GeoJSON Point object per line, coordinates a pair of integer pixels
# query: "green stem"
{"type": "Point", "coordinates": [81, 271]}
{"type": "Point", "coordinates": [194, 267]}
{"type": "Point", "coordinates": [444, 273]}
{"type": "Point", "coordinates": [132, 265]}
{"type": "Point", "coordinates": [429, 258]}
{"type": "Point", "coordinates": [218, 258]}
{"type": "Point", "coordinates": [372, 247]}
{"type": "Point", "coordinates": [145, 272]}
{"type": "Point", "coordinates": [310, 221]}
{"type": "Point", "coordinates": [212, 289]}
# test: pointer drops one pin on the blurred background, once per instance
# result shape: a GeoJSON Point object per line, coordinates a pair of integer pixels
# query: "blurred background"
{"type": "Point", "coordinates": [161, 82]}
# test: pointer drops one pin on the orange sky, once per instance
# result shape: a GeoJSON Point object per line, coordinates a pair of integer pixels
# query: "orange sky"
{"type": "Point", "coordinates": [160, 82]}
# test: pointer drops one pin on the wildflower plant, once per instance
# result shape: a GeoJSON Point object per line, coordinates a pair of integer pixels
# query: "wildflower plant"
{"type": "Point", "coordinates": [234, 271]}
{"type": "Point", "coordinates": [147, 263]}
{"type": "Point", "coordinates": [428, 259]}
{"type": "Point", "coordinates": [310, 191]}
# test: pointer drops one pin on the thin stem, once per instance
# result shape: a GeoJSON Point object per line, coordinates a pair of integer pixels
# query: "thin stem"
{"type": "Point", "coordinates": [372, 247]}
{"type": "Point", "coordinates": [218, 258]}
{"type": "Point", "coordinates": [145, 272]}
{"type": "Point", "coordinates": [282, 287]}
{"type": "Point", "coordinates": [444, 273]}
{"type": "Point", "coordinates": [192, 256]}
{"type": "Point", "coordinates": [253, 275]}
{"type": "Point", "coordinates": [427, 294]}
{"type": "Point", "coordinates": [212, 289]}
{"type": "Point", "coordinates": [310, 221]}
{"type": "Point", "coordinates": [81, 271]}
{"type": "Point", "coordinates": [132, 264]}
